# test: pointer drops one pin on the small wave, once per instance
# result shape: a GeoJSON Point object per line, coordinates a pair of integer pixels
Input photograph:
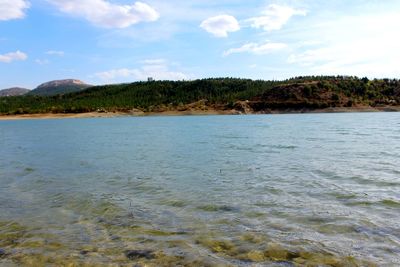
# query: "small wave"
{"type": "Point", "coordinates": [271, 204]}
{"type": "Point", "coordinates": [385, 202]}
{"type": "Point", "coordinates": [335, 228]}
{"type": "Point", "coordinates": [360, 203]}
{"type": "Point", "coordinates": [284, 146]}
{"type": "Point", "coordinates": [377, 231]}
{"type": "Point", "coordinates": [390, 203]}
{"type": "Point", "coordinates": [29, 169]}
{"type": "Point", "coordinates": [387, 183]}
{"type": "Point", "coordinates": [325, 174]}
{"type": "Point", "coordinates": [366, 181]}
{"type": "Point", "coordinates": [215, 208]}
{"type": "Point", "coordinates": [389, 154]}
{"type": "Point", "coordinates": [231, 137]}
{"type": "Point", "coordinates": [241, 148]}
{"type": "Point", "coordinates": [314, 139]}
{"type": "Point", "coordinates": [174, 203]}
{"type": "Point", "coordinates": [343, 133]}
{"type": "Point", "coordinates": [342, 196]}
{"type": "Point", "coordinates": [362, 134]}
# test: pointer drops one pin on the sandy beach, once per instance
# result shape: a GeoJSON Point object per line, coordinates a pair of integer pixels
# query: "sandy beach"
{"type": "Point", "coordinates": [112, 114]}
{"type": "Point", "coordinates": [59, 116]}
{"type": "Point", "coordinates": [190, 113]}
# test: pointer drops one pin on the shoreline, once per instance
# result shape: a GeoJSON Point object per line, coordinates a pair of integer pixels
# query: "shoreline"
{"type": "Point", "coordinates": [191, 113]}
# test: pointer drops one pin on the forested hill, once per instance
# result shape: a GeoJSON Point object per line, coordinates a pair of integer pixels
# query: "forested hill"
{"type": "Point", "coordinates": [299, 93]}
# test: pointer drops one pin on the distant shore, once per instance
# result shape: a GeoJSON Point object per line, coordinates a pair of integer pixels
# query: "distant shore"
{"type": "Point", "coordinates": [108, 115]}
{"type": "Point", "coordinates": [192, 112]}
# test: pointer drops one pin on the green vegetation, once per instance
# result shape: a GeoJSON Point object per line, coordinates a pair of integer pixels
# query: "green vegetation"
{"type": "Point", "coordinates": [312, 92]}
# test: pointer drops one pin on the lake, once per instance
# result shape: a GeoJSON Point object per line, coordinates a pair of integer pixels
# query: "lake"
{"type": "Point", "coordinates": [265, 190]}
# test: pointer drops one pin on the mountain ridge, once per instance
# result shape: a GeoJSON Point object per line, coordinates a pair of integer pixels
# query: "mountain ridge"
{"type": "Point", "coordinates": [57, 87]}
{"type": "Point", "coordinates": [14, 91]}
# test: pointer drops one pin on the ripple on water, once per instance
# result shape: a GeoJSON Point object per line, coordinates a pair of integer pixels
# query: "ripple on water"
{"type": "Point", "coordinates": [336, 228]}
{"type": "Point", "coordinates": [387, 203]}
{"type": "Point", "coordinates": [379, 234]}
{"type": "Point", "coordinates": [174, 203]}
{"type": "Point", "coordinates": [241, 148]}
{"type": "Point", "coordinates": [390, 154]}
{"type": "Point", "coordinates": [359, 179]}
{"type": "Point", "coordinates": [218, 208]}
{"type": "Point", "coordinates": [289, 147]}
{"type": "Point", "coordinates": [390, 203]}
{"type": "Point", "coordinates": [344, 195]}
{"type": "Point", "coordinates": [29, 170]}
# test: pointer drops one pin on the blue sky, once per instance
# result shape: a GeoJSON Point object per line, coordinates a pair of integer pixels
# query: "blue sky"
{"type": "Point", "coordinates": [113, 41]}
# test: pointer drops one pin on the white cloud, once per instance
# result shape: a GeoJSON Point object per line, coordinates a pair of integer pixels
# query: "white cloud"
{"type": "Point", "coordinates": [42, 61]}
{"type": "Point", "coordinates": [311, 57]}
{"type": "Point", "coordinates": [363, 51]}
{"type": "Point", "coordinates": [258, 49]}
{"type": "Point", "coordinates": [221, 25]}
{"type": "Point", "coordinates": [158, 61]}
{"type": "Point", "coordinates": [55, 53]}
{"type": "Point", "coordinates": [108, 15]}
{"type": "Point", "coordinates": [13, 56]}
{"type": "Point", "coordinates": [157, 69]}
{"type": "Point", "coordinates": [275, 17]}
{"type": "Point", "coordinates": [13, 9]}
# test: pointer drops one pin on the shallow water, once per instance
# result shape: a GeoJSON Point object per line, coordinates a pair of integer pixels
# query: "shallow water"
{"type": "Point", "coordinates": [272, 190]}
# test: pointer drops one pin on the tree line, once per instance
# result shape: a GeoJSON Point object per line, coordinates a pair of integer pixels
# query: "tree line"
{"type": "Point", "coordinates": [320, 91]}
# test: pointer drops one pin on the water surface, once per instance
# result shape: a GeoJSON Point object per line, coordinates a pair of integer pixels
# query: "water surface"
{"type": "Point", "coordinates": [273, 190]}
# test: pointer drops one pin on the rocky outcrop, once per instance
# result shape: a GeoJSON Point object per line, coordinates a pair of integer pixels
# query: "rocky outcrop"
{"type": "Point", "coordinates": [243, 107]}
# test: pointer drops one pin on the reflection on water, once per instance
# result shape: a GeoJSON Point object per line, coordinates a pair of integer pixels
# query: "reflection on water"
{"type": "Point", "coordinates": [284, 190]}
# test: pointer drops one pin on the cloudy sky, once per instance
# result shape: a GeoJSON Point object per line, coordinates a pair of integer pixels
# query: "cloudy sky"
{"type": "Point", "coordinates": [113, 41]}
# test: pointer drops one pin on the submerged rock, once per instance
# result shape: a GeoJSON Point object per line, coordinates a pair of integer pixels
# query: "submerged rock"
{"type": "Point", "coordinates": [256, 256]}
{"type": "Point", "coordinates": [218, 246]}
{"type": "Point", "coordinates": [84, 252]}
{"type": "Point", "coordinates": [276, 252]}
{"type": "Point", "coordinates": [139, 254]}
{"type": "Point", "coordinates": [2, 253]}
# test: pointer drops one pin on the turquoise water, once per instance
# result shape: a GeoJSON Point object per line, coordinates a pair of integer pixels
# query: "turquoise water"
{"type": "Point", "coordinates": [272, 190]}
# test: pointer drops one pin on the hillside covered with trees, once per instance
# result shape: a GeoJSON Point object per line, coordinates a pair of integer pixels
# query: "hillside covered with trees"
{"type": "Point", "coordinates": [242, 95]}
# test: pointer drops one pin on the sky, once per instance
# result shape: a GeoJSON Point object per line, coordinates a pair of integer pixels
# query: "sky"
{"type": "Point", "coordinates": [116, 41]}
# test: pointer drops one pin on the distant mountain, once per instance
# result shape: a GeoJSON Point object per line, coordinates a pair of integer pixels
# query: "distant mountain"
{"type": "Point", "coordinates": [59, 87]}
{"type": "Point", "coordinates": [15, 91]}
